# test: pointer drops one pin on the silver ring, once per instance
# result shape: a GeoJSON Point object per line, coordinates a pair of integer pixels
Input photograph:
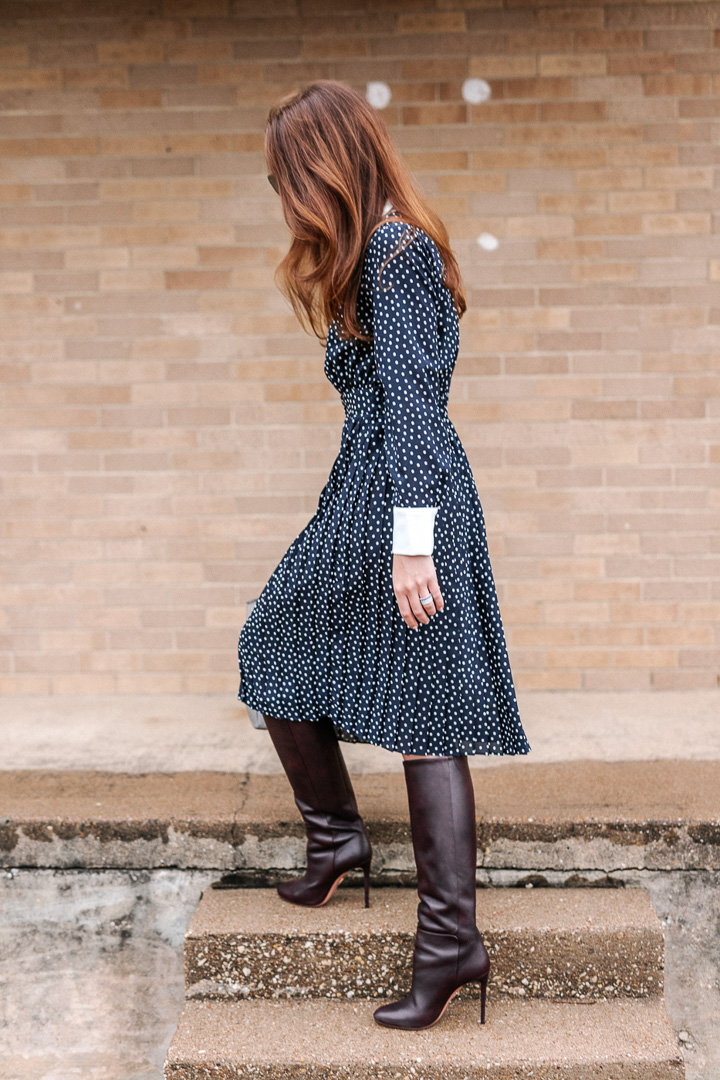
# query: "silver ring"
{"type": "Point", "coordinates": [424, 599]}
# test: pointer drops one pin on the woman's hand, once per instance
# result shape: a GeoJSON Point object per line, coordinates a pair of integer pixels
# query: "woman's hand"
{"type": "Point", "coordinates": [414, 576]}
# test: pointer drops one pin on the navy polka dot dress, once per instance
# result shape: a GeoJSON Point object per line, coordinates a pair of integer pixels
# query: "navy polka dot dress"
{"type": "Point", "coordinates": [326, 637]}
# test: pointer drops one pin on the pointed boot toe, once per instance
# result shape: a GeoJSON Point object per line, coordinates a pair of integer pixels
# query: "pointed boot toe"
{"type": "Point", "coordinates": [442, 964]}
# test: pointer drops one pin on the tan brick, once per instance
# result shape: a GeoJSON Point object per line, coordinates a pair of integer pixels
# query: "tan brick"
{"type": "Point", "coordinates": [413, 92]}
{"type": "Point", "coordinates": [506, 158]}
{"type": "Point", "coordinates": [445, 23]}
{"type": "Point", "coordinates": [573, 111]}
{"type": "Point", "coordinates": [605, 271]}
{"type": "Point", "coordinates": [569, 64]}
{"type": "Point", "coordinates": [699, 177]}
{"type": "Point", "coordinates": [196, 279]}
{"type": "Point", "coordinates": [82, 682]}
{"type": "Point", "coordinates": [678, 85]}
{"type": "Point", "coordinates": [82, 77]}
{"type": "Point", "coordinates": [610, 635]}
{"type": "Point", "coordinates": [186, 52]}
{"type": "Point", "coordinates": [136, 52]}
{"type": "Point", "coordinates": [57, 147]}
{"type": "Point", "coordinates": [555, 18]}
{"type": "Point", "coordinates": [540, 87]}
{"type": "Point", "coordinates": [470, 183]}
{"type": "Point", "coordinates": [631, 201]}
{"type": "Point", "coordinates": [24, 684]}
{"type": "Point", "coordinates": [130, 99]}
{"type": "Point", "coordinates": [572, 158]}
{"type": "Point", "coordinates": [678, 224]}
{"type": "Point", "coordinates": [613, 680]}
{"type": "Point", "coordinates": [500, 112]}
{"type": "Point", "coordinates": [423, 115]}
{"type": "Point", "coordinates": [433, 68]}
{"type": "Point", "coordinates": [609, 224]}
{"type": "Point", "coordinates": [14, 56]}
{"type": "Point", "coordinates": [19, 78]}
{"type": "Point", "coordinates": [334, 48]}
{"type": "Point", "coordinates": [171, 210]}
{"type": "Point", "coordinates": [641, 63]}
{"type": "Point", "coordinates": [547, 680]}
{"type": "Point", "coordinates": [645, 658]}
{"type": "Point", "coordinates": [231, 74]}
{"type": "Point", "coordinates": [579, 658]}
{"type": "Point", "coordinates": [597, 40]}
{"type": "Point", "coordinates": [493, 66]}
{"type": "Point", "coordinates": [130, 280]}
{"type": "Point", "coordinates": [19, 282]}
{"type": "Point", "coordinates": [637, 156]}
{"type": "Point", "coordinates": [431, 161]}
{"type": "Point", "coordinates": [177, 144]}
{"type": "Point", "coordinates": [10, 193]}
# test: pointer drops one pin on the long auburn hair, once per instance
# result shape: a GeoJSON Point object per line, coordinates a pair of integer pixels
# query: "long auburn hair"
{"type": "Point", "coordinates": [335, 165]}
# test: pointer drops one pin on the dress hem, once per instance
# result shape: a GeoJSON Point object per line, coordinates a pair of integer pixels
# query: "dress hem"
{"type": "Point", "coordinates": [383, 745]}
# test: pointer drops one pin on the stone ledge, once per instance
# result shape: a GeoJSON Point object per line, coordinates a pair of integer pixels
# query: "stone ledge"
{"type": "Point", "coordinates": [595, 815]}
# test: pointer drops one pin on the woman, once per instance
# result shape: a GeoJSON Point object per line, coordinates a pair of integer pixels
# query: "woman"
{"type": "Point", "coordinates": [381, 622]}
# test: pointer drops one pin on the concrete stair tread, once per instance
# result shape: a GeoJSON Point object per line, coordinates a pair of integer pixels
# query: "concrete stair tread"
{"type": "Point", "coordinates": [582, 910]}
{"type": "Point", "coordinates": [568, 944]}
{"type": "Point", "coordinates": [583, 792]}
{"type": "Point", "coordinates": [531, 1039]}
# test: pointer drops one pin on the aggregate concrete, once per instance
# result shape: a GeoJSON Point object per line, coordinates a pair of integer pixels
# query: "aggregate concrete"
{"type": "Point", "coordinates": [327, 1040]}
{"type": "Point", "coordinates": [573, 944]}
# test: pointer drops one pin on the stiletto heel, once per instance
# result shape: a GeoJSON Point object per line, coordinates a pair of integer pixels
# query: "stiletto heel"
{"type": "Point", "coordinates": [366, 872]}
{"type": "Point", "coordinates": [483, 987]}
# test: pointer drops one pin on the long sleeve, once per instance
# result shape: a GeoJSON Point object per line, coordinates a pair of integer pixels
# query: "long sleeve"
{"type": "Point", "coordinates": [405, 338]}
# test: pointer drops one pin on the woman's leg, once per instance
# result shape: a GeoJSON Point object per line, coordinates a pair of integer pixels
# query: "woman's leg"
{"type": "Point", "coordinates": [449, 950]}
{"type": "Point", "coordinates": [336, 839]}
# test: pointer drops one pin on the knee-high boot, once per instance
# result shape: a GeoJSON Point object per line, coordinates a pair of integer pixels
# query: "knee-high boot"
{"type": "Point", "coordinates": [336, 839]}
{"type": "Point", "coordinates": [449, 950]}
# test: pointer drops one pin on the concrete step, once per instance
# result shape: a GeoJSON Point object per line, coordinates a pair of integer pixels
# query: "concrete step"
{"type": "Point", "coordinates": [331, 1040]}
{"type": "Point", "coordinates": [543, 819]}
{"type": "Point", "coordinates": [581, 944]}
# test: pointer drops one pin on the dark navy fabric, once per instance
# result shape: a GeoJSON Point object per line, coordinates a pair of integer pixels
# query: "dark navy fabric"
{"type": "Point", "coordinates": [326, 637]}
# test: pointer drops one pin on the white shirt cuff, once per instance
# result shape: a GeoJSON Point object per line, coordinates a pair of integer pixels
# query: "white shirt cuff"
{"type": "Point", "coordinates": [413, 530]}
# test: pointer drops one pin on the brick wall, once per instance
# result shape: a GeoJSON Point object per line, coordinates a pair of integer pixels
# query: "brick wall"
{"type": "Point", "coordinates": [166, 428]}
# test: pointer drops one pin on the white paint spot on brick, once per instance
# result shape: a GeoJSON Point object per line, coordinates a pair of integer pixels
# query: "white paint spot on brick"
{"type": "Point", "coordinates": [378, 94]}
{"type": "Point", "coordinates": [488, 242]}
{"type": "Point", "coordinates": [475, 90]}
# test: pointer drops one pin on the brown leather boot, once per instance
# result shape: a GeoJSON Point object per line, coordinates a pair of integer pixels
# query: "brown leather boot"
{"type": "Point", "coordinates": [449, 950]}
{"type": "Point", "coordinates": [336, 837]}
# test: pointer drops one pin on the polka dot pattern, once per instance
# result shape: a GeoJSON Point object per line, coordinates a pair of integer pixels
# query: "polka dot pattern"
{"type": "Point", "coordinates": [326, 637]}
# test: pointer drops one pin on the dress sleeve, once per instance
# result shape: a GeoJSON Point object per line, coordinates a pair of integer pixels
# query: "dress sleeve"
{"type": "Point", "coordinates": [405, 337]}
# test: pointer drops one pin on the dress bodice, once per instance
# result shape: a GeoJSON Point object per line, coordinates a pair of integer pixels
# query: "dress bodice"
{"type": "Point", "coordinates": [351, 363]}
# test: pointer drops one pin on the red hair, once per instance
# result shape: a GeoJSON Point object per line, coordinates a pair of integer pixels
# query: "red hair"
{"type": "Point", "coordinates": [335, 166]}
